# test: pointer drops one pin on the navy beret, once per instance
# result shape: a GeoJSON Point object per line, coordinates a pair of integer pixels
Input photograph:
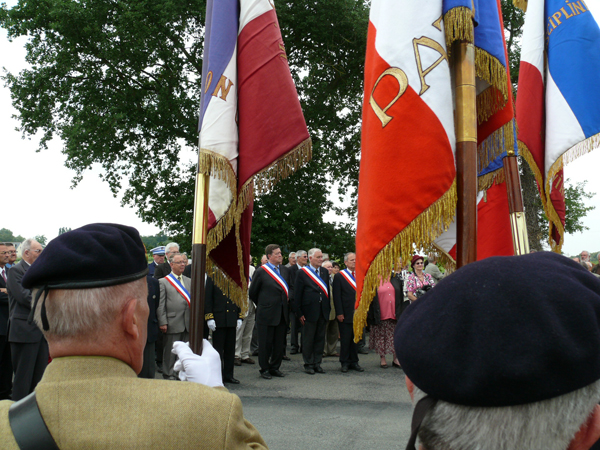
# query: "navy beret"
{"type": "Point", "coordinates": [504, 331]}
{"type": "Point", "coordinates": [95, 255]}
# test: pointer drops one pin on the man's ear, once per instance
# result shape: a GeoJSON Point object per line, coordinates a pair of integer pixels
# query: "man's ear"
{"type": "Point", "coordinates": [410, 386]}
{"type": "Point", "coordinates": [589, 432]}
{"type": "Point", "coordinates": [130, 323]}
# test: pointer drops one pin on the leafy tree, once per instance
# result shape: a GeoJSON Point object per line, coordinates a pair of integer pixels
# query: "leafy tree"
{"type": "Point", "coordinates": [8, 236]}
{"type": "Point", "coordinates": [41, 239]}
{"type": "Point", "coordinates": [63, 230]}
{"type": "Point", "coordinates": [119, 83]}
{"type": "Point", "coordinates": [154, 241]}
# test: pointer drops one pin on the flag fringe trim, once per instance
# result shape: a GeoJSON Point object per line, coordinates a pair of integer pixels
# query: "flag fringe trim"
{"type": "Point", "coordinates": [495, 145]}
{"type": "Point", "coordinates": [445, 258]}
{"type": "Point", "coordinates": [227, 285]}
{"type": "Point", "coordinates": [219, 167]}
{"type": "Point", "coordinates": [490, 69]}
{"type": "Point", "coordinates": [435, 219]}
{"type": "Point", "coordinates": [489, 102]}
{"type": "Point", "coordinates": [283, 167]}
{"type": "Point", "coordinates": [486, 181]}
{"type": "Point", "coordinates": [458, 26]}
{"type": "Point", "coordinates": [521, 4]}
{"type": "Point", "coordinates": [582, 148]}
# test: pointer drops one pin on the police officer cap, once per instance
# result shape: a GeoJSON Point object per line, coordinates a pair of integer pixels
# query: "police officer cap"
{"type": "Point", "coordinates": [504, 331]}
{"type": "Point", "coordinates": [95, 255]}
{"type": "Point", "coordinates": [158, 250]}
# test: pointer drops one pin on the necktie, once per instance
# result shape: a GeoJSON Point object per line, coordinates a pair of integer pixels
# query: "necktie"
{"type": "Point", "coordinates": [353, 276]}
{"type": "Point", "coordinates": [277, 269]}
{"type": "Point", "coordinates": [179, 278]}
{"type": "Point", "coordinates": [4, 274]}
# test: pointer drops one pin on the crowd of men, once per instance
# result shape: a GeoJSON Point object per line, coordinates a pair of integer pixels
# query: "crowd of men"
{"type": "Point", "coordinates": [502, 354]}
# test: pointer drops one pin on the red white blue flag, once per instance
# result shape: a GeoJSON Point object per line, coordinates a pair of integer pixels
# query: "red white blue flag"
{"type": "Point", "coordinates": [252, 130]}
{"type": "Point", "coordinates": [558, 102]}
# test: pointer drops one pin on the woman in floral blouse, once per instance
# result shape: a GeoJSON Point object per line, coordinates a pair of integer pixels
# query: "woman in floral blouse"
{"type": "Point", "coordinates": [418, 278]}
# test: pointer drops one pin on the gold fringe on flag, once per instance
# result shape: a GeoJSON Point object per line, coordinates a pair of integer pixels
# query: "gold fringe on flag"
{"type": "Point", "coordinates": [489, 102]}
{"type": "Point", "coordinates": [486, 181]}
{"type": "Point", "coordinates": [494, 145]}
{"type": "Point", "coordinates": [521, 4]}
{"type": "Point", "coordinates": [422, 231]}
{"type": "Point", "coordinates": [219, 167]}
{"type": "Point", "coordinates": [458, 26]}
{"type": "Point", "coordinates": [490, 69]}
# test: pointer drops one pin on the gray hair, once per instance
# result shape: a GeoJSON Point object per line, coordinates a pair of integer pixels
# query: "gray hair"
{"type": "Point", "coordinates": [25, 245]}
{"type": "Point", "coordinates": [291, 254]}
{"type": "Point", "coordinates": [347, 255]}
{"type": "Point", "coordinates": [550, 424]}
{"type": "Point", "coordinates": [300, 253]}
{"type": "Point", "coordinates": [327, 263]}
{"type": "Point", "coordinates": [432, 257]}
{"type": "Point", "coordinates": [86, 313]}
{"type": "Point", "coordinates": [170, 245]}
{"type": "Point", "coordinates": [172, 256]}
{"type": "Point", "coordinates": [312, 251]}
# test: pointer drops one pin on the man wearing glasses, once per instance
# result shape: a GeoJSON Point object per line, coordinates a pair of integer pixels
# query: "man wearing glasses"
{"type": "Point", "coordinates": [12, 254]}
{"type": "Point", "coordinates": [5, 361]}
{"type": "Point", "coordinates": [28, 346]}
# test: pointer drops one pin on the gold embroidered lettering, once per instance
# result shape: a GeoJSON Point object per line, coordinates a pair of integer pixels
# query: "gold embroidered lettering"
{"type": "Point", "coordinates": [578, 7]}
{"type": "Point", "coordinates": [430, 43]}
{"type": "Point", "coordinates": [221, 87]}
{"type": "Point", "coordinates": [556, 15]}
{"type": "Point", "coordinates": [402, 79]}
{"type": "Point", "coordinates": [438, 23]}
{"type": "Point", "coordinates": [209, 76]}
{"type": "Point", "coordinates": [566, 14]}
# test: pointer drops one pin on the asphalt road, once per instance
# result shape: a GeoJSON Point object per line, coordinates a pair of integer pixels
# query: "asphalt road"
{"type": "Point", "coordinates": [328, 411]}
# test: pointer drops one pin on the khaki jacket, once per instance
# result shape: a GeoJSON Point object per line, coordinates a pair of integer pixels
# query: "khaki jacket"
{"type": "Point", "coordinates": [99, 403]}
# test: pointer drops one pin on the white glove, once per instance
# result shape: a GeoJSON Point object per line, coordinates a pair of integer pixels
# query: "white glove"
{"type": "Point", "coordinates": [239, 324]}
{"type": "Point", "coordinates": [211, 324]}
{"type": "Point", "coordinates": [205, 369]}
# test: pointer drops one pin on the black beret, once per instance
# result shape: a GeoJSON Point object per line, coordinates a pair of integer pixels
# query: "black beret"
{"type": "Point", "coordinates": [504, 331]}
{"type": "Point", "coordinates": [95, 255]}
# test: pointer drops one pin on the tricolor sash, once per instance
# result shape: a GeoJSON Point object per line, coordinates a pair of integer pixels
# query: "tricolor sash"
{"type": "Point", "coordinates": [179, 287]}
{"type": "Point", "coordinates": [278, 278]}
{"type": "Point", "coordinates": [349, 278]}
{"type": "Point", "coordinates": [316, 279]}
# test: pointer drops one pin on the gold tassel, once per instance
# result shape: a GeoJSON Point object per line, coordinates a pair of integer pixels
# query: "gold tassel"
{"type": "Point", "coordinates": [521, 4]}
{"type": "Point", "coordinates": [489, 102]}
{"type": "Point", "coordinates": [490, 69]}
{"type": "Point", "coordinates": [458, 26]}
{"type": "Point", "coordinates": [422, 231]}
{"type": "Point", "coordinates": [486, 181]}
{"type": "Point", "coordinates": [494, 145]}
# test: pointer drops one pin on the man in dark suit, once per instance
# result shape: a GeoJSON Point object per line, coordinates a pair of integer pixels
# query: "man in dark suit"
{"type": "Point", "coordinates": [28, 347]}
{"type": "Point", "coordinates": [311, 305]}
{"type": "Point", "coordinates": [158, 254]}
{"type": "Point", "coordinates": [149, 367]}
{"type": "Point", "coordinates": [164, 269]}
{"type": "Point", "coordinates": [223, 317]}
{"type": "Point", "coordinates": [295, 325]}
{"type": "Point", "coordinates": [344, 298]}
{"type": "Point", "coordinates": [269, 290]}
{"type": "Point", "coordinates": [5, 362]}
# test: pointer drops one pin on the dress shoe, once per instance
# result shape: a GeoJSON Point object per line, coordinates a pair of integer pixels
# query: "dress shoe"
{"type": "Point", "coordinates": [248, 361]}
{"type": "Point", "coordinates": [294, 352]}
{"type": "Point", "coordinates": [319, 369]}
{"type": "Point", "coordinates": [277, 373]}
{"type": "Point", "coordinates": [255, 353]}
{"type": "Point", "coordinates": [237, 362]}
{"type": "Point", "coordinates": [363, 351]}
{"type": "Point", "coordinates": [286, 358]}
{"type": "Point", "coordinates": [356, 367]}
{"type": "Point", "coordinates": [159, 367]}
{"type": "Point", "coordinates": [344, 369]}
{"type": "Point", "coordinates": [396, 365]}
{"type": "Point", "coordinates": [309, 371]}
{"type": "Point", "coordinates": [231, 380]}
{"type": "Point", "coordinates": [266, 375]}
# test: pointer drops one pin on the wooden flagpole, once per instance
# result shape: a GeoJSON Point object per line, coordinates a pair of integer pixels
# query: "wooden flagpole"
{"type": "Point", "coordinates": [466, 152]}
{"type": "Point", "coordinates": [515, 203]}
{"type": "Point", "coordinates": [199, 262]}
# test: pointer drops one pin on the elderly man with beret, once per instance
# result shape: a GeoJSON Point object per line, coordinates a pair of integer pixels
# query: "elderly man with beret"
{"type": "Point", "coordinates": [505, 354]}
{"type": "Point", "coordinates": [89, 291]}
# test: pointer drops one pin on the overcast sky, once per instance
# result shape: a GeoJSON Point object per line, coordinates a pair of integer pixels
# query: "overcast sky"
{"type": "Point", "coordinates": [38, 199]}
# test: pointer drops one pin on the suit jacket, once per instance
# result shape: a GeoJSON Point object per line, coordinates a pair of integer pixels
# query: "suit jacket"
{"type": "Point", "coordinates": [19, 299]}
{"type": "Point", "coordinates": [151, 268]}
{"type": "Point", "coordinates": [153, 301]}
{"type": "Point", "coordinates": [3, 307]}
{"type": "Point", "coordinates": [434, 271]}
{"type": "Point", "coordinates": [219, 307]}
{"type": "Point", "coordinates": [309, 299]}
{"type": "Point", "coordinates": [293, 272]}
{"type": "Point", "coordinates": [270, 298]}
{"type": "Point", "coordinates": [162, 270]}
{"type": "Point", "coordinates": [344, 298]}
{"type": "Point", "coordinates": [99, 403]}
{"type": "Point", "coordinates": [173, 309]}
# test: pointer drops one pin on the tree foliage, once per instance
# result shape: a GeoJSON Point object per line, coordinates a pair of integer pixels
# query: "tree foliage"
{"type": "Point", "coordinates": [119, 82]}
{"type": "Point", "coordinates": [7, 236]}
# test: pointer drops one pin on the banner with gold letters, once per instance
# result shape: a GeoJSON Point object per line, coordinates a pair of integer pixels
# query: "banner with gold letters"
{"type": "Point", "coordinates": [252, 130]}
{"type": "Point", "coordinates": [558, 102]}
{"type": "Point", "coordinates": [407, 181]}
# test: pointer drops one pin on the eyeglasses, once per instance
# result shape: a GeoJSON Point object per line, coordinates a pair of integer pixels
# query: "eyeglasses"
{"type": "Point", "coordinates": [14, 252]}
{"type": "Point", "coordinates": [38, 250]}
{"type": "Point", "coordinates": [419, 263]}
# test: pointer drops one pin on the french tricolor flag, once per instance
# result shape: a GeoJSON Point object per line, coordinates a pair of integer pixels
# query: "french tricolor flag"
{"type": "Point", "coordinates": [558, 101]}
{"type": "Point", "coordinates": [252, 130]}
